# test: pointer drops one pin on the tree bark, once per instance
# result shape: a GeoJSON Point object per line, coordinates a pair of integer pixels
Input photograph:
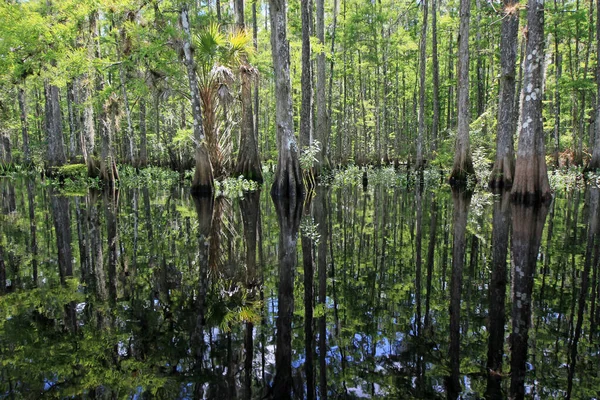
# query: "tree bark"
{"type": "Point", "coordinates": [420, 162]}
{"type": "Point", "coordinates": [306, 116]}
{"type": "Point", "coordinates": [203, 181]}
{"type": "Point", "coordinates": [322, 117]}
{"type": "Point", "coordinates": [24, 125]}
{"type": "Point", "coordinates": [463, 163]}
{"type": "Point", "coordinates": [594, 163]}
{"type": "Point", "coordinates": [288, 179]}
{"type": "Point", "coordinates": [504, 166]}
{"type": "Point", "coordinates": [531, 176]}
{"type": "Point", "coordinates": [143, 156]}
{"type": "Point", "coordinates": [435, 126]}
{"type": "Point", "coordinates": [248, 162]}
{"type": "Point", "coordinates": [55, 156]}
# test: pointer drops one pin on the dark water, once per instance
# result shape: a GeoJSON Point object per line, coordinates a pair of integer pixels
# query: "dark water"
{"type": "Point", "coordinates": [401, 292]}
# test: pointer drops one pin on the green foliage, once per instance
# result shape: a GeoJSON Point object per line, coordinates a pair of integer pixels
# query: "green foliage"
{"type": "Point", "coordinates": [130, 177]}
{"type": "Point", "coordinates": [235, 187]}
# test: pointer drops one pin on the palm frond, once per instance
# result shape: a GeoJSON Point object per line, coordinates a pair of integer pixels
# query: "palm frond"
{"type": "Point", "coordinates": [209, 43]}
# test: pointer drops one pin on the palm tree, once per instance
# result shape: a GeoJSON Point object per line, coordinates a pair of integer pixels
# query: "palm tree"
{"type": "Point", "coordinates": [216, 55]}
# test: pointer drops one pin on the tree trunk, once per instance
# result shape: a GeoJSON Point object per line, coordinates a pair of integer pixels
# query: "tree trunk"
{"type": "Point", "coordinates": [504, 166]}
{"type": "Point", "coordinates": [436, 78]}
{"type": "Point", "coordinates": [594, 163]}
{"type": "Point", "coordinates": [72, 120]}
{"type": "Point", "coordinates": [306, 117]}
{"type": "Point", "coordinates": [288, 179]}
{"type": "Point", "coordinates": [143, 156]}
{"type": "Point", "coordinates": [24, 125]}
{"type": "Point", "coordinates": [55, 156]}
{"type": "Point", "coordinates": [108, 123]}
{"type": "Point", "coordinates": [420, 163]}
{"type": "Point", "coordinates": [129, 141]}
{"type": "Point", "coordinates": [202, 183]}
{"type": "Point", "coordinates": [5, 149]}
{"type": "Point", "coordinates": [463, 163]}
{"type": "Point", "coordinates": [531, 176]}
{"type": "Point", "coordinates": [322, 117]}
{"type": "Point", "coordinates": [248, 162]}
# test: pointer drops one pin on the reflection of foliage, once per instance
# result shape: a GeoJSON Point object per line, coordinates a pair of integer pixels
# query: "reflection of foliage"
{"type": "Point", "coordinates": [309, 229]}
{"type": "Point", "coordinates": [139, 343]}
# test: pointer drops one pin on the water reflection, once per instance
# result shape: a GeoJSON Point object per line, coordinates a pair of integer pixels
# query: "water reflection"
{"type": "Point", "coordinates": [392, 292]}
{"type": "Point", "coordinates": [461, 200]}
{"type": "Point", "coordinates": [289, 214]}
{"type": "Point", "coordinates": [527, 227]}
{"type": "Point", "coordinates": [497, 295]}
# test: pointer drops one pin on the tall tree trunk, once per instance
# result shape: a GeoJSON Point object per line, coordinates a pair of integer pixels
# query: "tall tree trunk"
{"type": "Point", "coordinates": [531, 176]}
{"type": "Point", "coordinates": [72, 120]}
{"type": "Point", "coordinates": [504, 166]}
{"type": "Point", "coordinates": [248, 162]}
{"type": "Point", "coordinates": [463, 163]}
{"type": "Point", "coordinates": [594, 163]}
{"type": "Point", "coordinates": [306, 116]}
{"type": "Point", "coordinates": [55, 156]}
{"type": "Point", "coordinates": [435, 126]}
{"type": "Point", "coordinates": [109, 117]}
{"type": "Point", "coordinates": [24, 125]}
{"type": "Point", "coordinates": [322, 131]}
{"type": "Point", "coordinates": [419, 162]}
{"type": "Point", "coordinates": [129, 140]}
{"type": "Point", "coordinates": [143, 156]}
{"type": "Point", "coordinates": [288, 179]}
{"type": "Point", "coordinates": [203, 180]}
{"type": "Point", "coordinates": [88, 127]}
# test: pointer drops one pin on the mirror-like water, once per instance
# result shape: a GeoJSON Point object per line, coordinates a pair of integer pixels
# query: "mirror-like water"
{"type": "Point", "coordinates": [393, 292]}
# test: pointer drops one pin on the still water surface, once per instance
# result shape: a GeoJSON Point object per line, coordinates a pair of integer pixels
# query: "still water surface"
{"type": "Point", "coordinates": [395, 291]}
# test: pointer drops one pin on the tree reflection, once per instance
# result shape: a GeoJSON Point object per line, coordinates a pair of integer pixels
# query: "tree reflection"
{"type": "Point", "coordinates": [204, 211]}
{"type": "Point", "coordinates": [289, 213]}
{"type": "Point", "coordinates": [591, 256]}
{"type": "Point", "coordinates": [461, 200]}
{"type": "Point", "coordinates": [527, 224]}
{"type": "Point", "coordinates": [497, 295]}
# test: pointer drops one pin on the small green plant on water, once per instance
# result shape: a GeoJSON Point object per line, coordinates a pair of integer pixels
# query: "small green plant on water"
{"type": "Point", "coordinates": [307, 159]}
{"type": "Point", "coordinates": [235, 187]}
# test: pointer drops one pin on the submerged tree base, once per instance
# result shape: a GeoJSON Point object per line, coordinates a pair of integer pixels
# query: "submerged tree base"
{"type": "Point", "coordinates": [593, 165]}
{"type": "Point", "coordinates": [460, 177]}
{"type": "Point", "coordinates": [203, 181]}
{"type": "Point", "coordinates": [288, 179]}
{"type": "Point", "coordinates": [531, 186]}
{"type": "Point", "coordinates": [502, 174]}
{"type": "Point", "coordinates": [249, 170]}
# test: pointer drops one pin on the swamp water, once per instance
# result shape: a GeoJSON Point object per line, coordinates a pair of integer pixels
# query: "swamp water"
{"type": "Point", "coordinates": [403, 291]}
